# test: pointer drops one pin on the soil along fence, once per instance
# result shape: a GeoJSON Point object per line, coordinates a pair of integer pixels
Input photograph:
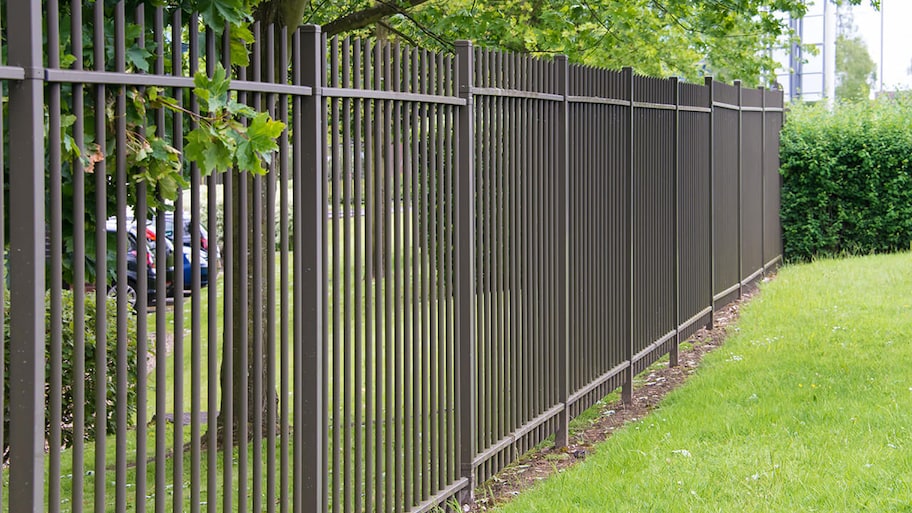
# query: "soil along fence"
{"type": "Point", "coordinates": [472, 249]}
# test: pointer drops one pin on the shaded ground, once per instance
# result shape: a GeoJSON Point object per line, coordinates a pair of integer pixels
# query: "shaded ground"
{"type": "Point", "coordinates": [649, 389]}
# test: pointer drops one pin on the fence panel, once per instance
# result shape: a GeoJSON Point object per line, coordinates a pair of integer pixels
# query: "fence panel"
{"type": "Point", "coordinates": [653, 225]}
{"type": "Point", "coordinates": [159, 430]}
{"type": "Point", "coordinates": [772, 180]}
{"type": "Point", "coordinates": [694, 209]}
{"type": "Point", "coordinates": [598, 268]}
{"type": "Point", "coordinates": [517, 173]}
{"type": "Point", "coordinates": [726, 193]}
{"type": "Point", "coordinates": [390, 178]}
{"type": "Point", "coordinates": [751, 184]}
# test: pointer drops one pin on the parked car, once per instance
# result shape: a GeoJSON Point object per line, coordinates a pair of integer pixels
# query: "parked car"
{"type": "Point", "coordinates": [186, 254]}
{"type": "Point", "coordinates": [187, 239]}
{"type": "Point", "coordinates": [132, 277]}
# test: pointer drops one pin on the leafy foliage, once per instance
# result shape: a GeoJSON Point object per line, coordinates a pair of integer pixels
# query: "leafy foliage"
{"type": "Point", "coordinates": [847, 179]}
{"type": "Point", "coordinates": [684, 38]}
{"type": "Point", "coordinates": [222, 139]}
{"type": "Point", "coordinates": [90, 377]}
{"type": "Point", "coordinates": [855, 70]}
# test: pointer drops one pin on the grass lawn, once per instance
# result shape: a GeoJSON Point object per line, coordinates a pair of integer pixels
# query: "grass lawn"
{"type": "Point", "coordinates": [805, 408]}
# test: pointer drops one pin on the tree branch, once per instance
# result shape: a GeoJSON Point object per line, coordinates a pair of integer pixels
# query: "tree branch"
{"type": "Point", "coordinates": [368, 16]}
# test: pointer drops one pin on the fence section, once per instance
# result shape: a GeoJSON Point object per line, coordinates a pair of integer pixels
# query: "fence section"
{"type": "Point", "coordinates": [598, 270]}
{"type": "Point", "coordinates": [772, 181]}
{"type": "Point", "coordinates": [517, 226]}
{"type": "Point", "coordinates": [390, 367]}
{"type": "Point", "coordinates": [446, 259]}
{"type": "Point", "coordinates": [654, 137]}
{"type": "Point", "coordinates": [726, 192]}
{"type": "Point", "coordinates": [695, 203]}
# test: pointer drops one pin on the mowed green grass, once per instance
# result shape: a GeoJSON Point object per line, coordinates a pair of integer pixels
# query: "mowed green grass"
{"type": "Point", "coordinates": [807, 407]}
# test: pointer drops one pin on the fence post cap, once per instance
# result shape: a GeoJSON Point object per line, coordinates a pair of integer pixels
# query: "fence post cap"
{"type": "Point", "coordinates": [708, 80]}
{"type": "Point", "coordinates": [310, 28]}
{"type": "Point", "coordinates": [462, 43]}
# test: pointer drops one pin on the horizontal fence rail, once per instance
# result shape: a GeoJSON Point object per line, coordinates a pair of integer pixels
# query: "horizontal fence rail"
{"type": "Point", "coordinates": [448, 258]}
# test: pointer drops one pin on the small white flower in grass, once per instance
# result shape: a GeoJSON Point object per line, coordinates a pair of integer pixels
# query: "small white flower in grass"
{"type": "Point", "coordinates": [735, 357]}
{"type": "Point", "coordinates": [682, 452]}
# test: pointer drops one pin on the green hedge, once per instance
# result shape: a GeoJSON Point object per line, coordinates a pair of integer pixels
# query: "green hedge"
{"type": "Point", "coordinates": [847, 179]}
{"type": "Point", "coordinates": [90, 378]}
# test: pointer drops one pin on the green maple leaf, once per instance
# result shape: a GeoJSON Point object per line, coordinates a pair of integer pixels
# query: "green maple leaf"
{"type": "Point", "coordinates": [263, 132]}
{"type": "Point", "coordinates": [209, 153]}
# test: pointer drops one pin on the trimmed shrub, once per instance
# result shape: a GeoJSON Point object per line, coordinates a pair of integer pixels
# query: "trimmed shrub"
{"type": "Point", "coordinates": [847, 179]}
{"type": "Point", "coordinates": [90, 378]}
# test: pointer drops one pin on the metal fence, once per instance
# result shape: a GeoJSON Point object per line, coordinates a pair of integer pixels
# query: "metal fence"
{"type": "Point", "coordinates": [469, 250]}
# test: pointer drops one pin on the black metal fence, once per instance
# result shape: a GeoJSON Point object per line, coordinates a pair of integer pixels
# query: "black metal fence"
{"type": "Point", "coordinates": [469, 250]}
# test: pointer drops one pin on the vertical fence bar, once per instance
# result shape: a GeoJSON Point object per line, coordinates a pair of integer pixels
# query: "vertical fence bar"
{"type": "Point", "coordinates": [55, 246]}
{"type": "Point", "coordinates": [230, 298]}
{"type": "Point", "coordinates": [212, 334]}
{"type": "Point", "coordinates": [762, 182]}
{"type": "Point", "coordinates": [627, 390]}
{"type": "Point", "coordinates": [196, 336]}
{"type": "Point", "coordinates": [101, 261]}
{"type": "Point", "coordinates": [415, 223]}
{"type": "Point", "coordinates": [673, 354]}
{"type": "Point", "coordinates": [161, 287]}
{"type": "Point", "coordinates": [26, 254]}
{"type": "Point", "coordinates": [740, 199]}
{"type": "Point", "coordinates": [254, 347]}
{"type": "Point", "coordinates": [78, 467]}
{"type": "Point", "coordinates": [335, 224]}
{"type": "Point", "coordinates": [562, 299]}
{"type": "Point", "coordinates": [311, 417]}
{"type": "Point", "coordinates": [297, 460]}
{"type": "Point", "coordinates": [285, 169]}
{"type": "Point", "coordinates": [177, 476]}
{"type": "Point", "coordinates": [712, 229]}
{"type": "Point", "coordinates": [361, 282]}
{"type": "Point", "coordinates": [465, 269]}
{"type": "Point", "coordinates": [274, 73]}
{"type": "Point", "coordinates": [350, 217]}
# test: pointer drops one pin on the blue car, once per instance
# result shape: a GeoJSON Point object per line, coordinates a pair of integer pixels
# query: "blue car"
{"type": "Point", "coordinates": [186, 253]}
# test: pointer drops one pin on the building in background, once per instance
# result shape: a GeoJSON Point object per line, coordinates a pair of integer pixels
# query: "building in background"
{"type": "Point", "coordinates": [807, 75]}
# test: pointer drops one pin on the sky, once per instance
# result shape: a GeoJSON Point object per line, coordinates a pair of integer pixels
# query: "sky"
{"type": "Point", "coordinates": [897, 37]}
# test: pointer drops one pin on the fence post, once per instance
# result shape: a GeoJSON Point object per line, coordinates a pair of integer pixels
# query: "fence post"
{"type": "Point", "coordinates": [627, 389]}
{"type": "Point", "coordinates": [563, 252]}
{"type": "Point", "coordinates": [712, 221]}
{"type": "Point", "coordinates": [310, 465]}
{"type": "Point", "coordinates": [465, 269]}
{"type": "Point", "coordinates": [740, 198]}
{"type": "Point", "coordinates": [26, 257]}
{"type": "Point", "coordinates": [673, 354]}
{"type": "Point", "coordinates": [762, 182]}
